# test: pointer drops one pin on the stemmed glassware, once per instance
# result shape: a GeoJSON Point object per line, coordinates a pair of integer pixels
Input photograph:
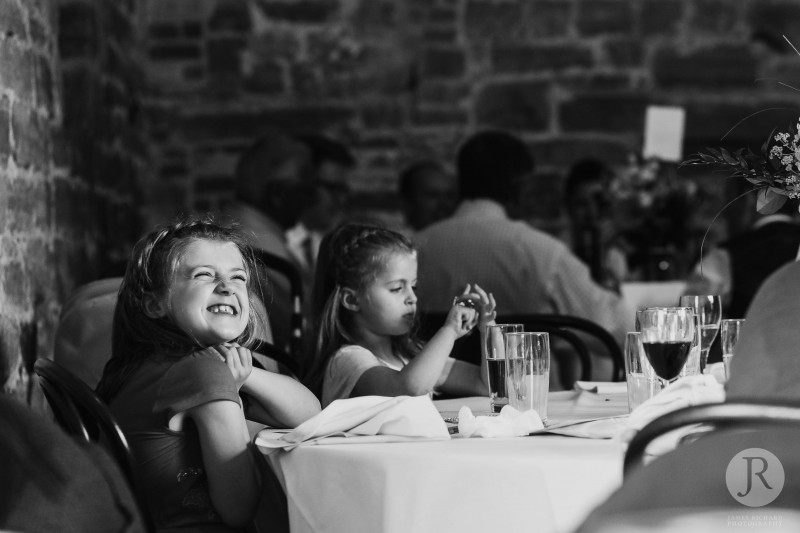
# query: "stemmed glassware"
{"type": "Point", "coordinates": [708, 308]}
{"type": "Point", "coordinates": [667, 334]}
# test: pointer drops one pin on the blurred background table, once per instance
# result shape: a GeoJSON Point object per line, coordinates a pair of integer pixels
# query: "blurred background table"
{"type": "Point", "coordinates": [546, 483]}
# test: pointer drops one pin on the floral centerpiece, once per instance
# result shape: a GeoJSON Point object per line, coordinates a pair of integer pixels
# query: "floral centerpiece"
{"type": "Point", "coordinates": [774, 173]}
{"type": "Point", "coordinates": [654, 210]}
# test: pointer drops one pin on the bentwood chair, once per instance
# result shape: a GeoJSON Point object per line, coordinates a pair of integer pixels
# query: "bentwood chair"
{"type": "Point", "coordinates": [560, 327]}
{"type": "Point", "coordinates": [285, 268]}
{"type": "Point", "coordinates": [734, 416]}
{"type": "Point", "coordinates": [81, 414]}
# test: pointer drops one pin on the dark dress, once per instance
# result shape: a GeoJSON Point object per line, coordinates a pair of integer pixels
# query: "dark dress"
{"type": "Point", "coordinates": [170, 462]}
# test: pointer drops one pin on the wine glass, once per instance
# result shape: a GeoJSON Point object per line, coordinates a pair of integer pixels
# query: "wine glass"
{"type": "Point", "coordinates": [708, 308]}
{"type": "Point", "coordinates": [667, 334]}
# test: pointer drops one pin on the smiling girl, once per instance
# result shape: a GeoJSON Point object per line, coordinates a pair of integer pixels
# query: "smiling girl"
{"type": "Point", "coordinates": [181, 329]}
{"type": "Point", "coordinates": [365, 305]}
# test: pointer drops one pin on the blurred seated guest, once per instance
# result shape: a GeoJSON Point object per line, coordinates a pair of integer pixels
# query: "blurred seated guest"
{"type": "Point", "coordinates": [737, 267]}
{"type": "Point", "coordinates": [526, 269]}
{"type": "Point", "coordinates": [428, 193]}
{"type": "Point", "coordinates": [692, 488]}
{"type": "Point", "coordinates": [592, 233]}
{"type": "Point", "coordinates": [275, 183]}
{"type": "Point", "coordinates": [51, 482]}
{"type": "Point", "coordinates": [765, 362]}
{"type": "Point", "coordinates": [332, 163]}
{"type": "Point", "coordinates": [83, 335]}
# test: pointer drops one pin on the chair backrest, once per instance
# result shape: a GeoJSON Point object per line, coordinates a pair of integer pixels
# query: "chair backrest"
{"type": "Point", "coordinates": [742, 415]}
{"type": "Point", "coordinates": [541, 322]}
{"type": "Point", "coordinates": [83, 415]}
{"type": "Point", "coordinates": [468, 348]}
{"type": "Point", "coordinates": [290, 271]}
{"type": "Point", "coordinates": [286, 362]}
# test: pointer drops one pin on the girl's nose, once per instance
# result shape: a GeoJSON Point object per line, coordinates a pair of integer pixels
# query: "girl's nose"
{"type": "Point", "coordinates": [412, 297]}
{"type": "Point", "coordinates": [222, 287]}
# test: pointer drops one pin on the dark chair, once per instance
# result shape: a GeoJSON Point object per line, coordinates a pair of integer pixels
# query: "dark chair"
{"type": "Point", "coordinates": [546, 322]}
{"type": "Point", "coordinates": [83, 415]}
{"type": "Point", "coordinates": [287, 364]}
{"type": "Point", "coordinates": [287, 269]}
{"type": "Point", "coordinates": [738, 415]}
{"type": "Point", "coordinates": [560, 327]}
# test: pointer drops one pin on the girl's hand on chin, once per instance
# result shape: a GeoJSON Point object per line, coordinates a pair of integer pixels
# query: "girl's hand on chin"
{"type": "Point", "coordinates": [238, 359]}
{"type": "Point", "coordinates": [461, 320]}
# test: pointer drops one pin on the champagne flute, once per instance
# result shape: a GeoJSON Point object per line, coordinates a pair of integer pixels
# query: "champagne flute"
{"type": "Point", "coordinates": [667, 334]}
{"type": "Point", "coordinates": [708, 308]}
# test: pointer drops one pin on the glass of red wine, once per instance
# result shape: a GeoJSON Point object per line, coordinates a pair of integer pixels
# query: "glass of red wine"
{"type": "Point", "coordinates": [667, 335]}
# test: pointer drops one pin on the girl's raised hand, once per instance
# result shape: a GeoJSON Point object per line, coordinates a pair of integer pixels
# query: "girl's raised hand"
{"type": "Point", "coordinates": [238, 359]}
{"type": "Point", "coordinates": [478, 299]}
{"type": "Point", "coordinates": [461, 320]}
{"type": "Point", "coordinates": [486, 306]}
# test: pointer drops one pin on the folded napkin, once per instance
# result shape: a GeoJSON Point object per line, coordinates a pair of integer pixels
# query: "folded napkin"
{"type": "Point", "coordinates": [400, 416]}
{"type": "Point", "coordinates": [717, 370]}
{"type": "Point", "coordinates": [602, 387]}
{"type": "Point", "coordinates": [509, 423]}
{"type": "Point", "coordinates": [691, 390]}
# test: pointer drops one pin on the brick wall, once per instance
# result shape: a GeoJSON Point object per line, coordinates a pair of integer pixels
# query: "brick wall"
{"type": "Point", "coordinates": [71, 153]}
{"type": "Point", "coordinates": [396, 79]}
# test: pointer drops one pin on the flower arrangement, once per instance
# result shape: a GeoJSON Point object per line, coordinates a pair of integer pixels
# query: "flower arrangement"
{"type": "Point", "coordinates": [775, 173]}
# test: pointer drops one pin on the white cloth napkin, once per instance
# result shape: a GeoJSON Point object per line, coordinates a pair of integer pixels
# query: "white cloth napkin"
{"type": "Point", "coordinates": [717, 370]}
{"type": "Point", "coordinates": [509, 423]}
{"type": "Point", "coordinates": [691, 390]}
{"type": "Point", "coordinates": [602, 387]}
{"type": "Point", "coordinates": [400, 416]}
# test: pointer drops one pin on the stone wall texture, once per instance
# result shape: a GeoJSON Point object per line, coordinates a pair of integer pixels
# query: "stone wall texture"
{"type": "Point", "coordinates": [71, 156]}
{"type": "Point", "coordinates": [400, 79]}
{"type": "Point", "coordinates": [117, 114]}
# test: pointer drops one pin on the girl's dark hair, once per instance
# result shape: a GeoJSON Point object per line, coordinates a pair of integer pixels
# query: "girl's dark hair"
{"type": "Point", "coordinates": [151, 269]}
{"type": "Point", "coordinates": [351, 256]}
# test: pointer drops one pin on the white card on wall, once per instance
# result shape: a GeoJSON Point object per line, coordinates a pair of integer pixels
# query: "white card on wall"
{"type": "Point", "coordinates": [663, 133]}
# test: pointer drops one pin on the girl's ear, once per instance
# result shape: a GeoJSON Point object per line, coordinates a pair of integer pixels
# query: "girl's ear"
{"type": "Point", "coordinates": [350, 300]}
{"type": "Point", "coordinates": [154, 307]}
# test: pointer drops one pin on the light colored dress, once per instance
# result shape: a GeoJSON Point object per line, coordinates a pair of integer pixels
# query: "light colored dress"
{"type": "Point", "coordinates": [348, 364]}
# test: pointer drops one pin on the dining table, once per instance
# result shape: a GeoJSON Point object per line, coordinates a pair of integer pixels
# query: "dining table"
{"type": "Point", "coordinates": [544, 482]}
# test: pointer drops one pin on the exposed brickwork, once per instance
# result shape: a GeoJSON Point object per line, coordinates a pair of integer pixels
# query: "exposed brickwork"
{"type": "Point", "coordinates": [71, 151]}
{"type": "Point", "coordinates": [399, 79]}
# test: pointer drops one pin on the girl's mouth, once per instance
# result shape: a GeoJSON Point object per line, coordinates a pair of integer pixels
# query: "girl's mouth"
{"type": "Point", "coordinates": [222, 309]}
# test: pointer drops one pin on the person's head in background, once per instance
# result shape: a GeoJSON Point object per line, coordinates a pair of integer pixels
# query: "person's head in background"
{"type": "Point", "coordinates": [493, 165]}
{"type": "Point", "coordinates": [276, 176]}
{"type": "Point", "coordinates": [428, 193]}
{"type": "Point", "coordinates": [333, 162]}
{"type": "Point", "coordinates": [586, 192]}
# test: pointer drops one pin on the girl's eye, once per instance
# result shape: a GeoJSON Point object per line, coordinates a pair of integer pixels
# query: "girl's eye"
{"type": "Point", "coordinates": [204, 274]}
{"type": "Point", "coordinates": [240, 277]}
{"type": "Point", "coordinates": [396, 289]}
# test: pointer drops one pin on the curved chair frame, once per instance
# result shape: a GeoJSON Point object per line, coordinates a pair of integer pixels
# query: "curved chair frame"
{"type": "Point", "coordinates": [740, 414]}
{"type": "Point", "coordinates": [568, 322]}
{"type": "Point", "coordinates": [83, 415]}
{"type": "Point", "coordinates": [532, 323]}
{"type": "Point", "coordinates": [286, 268]}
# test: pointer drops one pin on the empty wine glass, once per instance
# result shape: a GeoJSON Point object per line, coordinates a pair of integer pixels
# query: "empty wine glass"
{"type": "Point", "coordinates": [708, 308]}
{"type": "Point", "coordinates": [667, 334]}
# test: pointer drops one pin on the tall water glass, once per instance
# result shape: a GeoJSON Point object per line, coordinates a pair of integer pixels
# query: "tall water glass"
{"type": "Point", "coordinates": [528, 360]}
{"type": "Point", "coordinates": [641, 379]}
{"type": "Point", "coordinates": [692, 366]}
{"type": "Point", "coordinates": [729, 335]}
{"type": "Point", "coordinates": [494, 347]}
{"type": "Point", "coordinates": [708, 308]}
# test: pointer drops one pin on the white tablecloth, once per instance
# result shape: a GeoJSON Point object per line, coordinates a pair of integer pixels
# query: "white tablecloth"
{"type": "Point", "coordinates": [542, 483]}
